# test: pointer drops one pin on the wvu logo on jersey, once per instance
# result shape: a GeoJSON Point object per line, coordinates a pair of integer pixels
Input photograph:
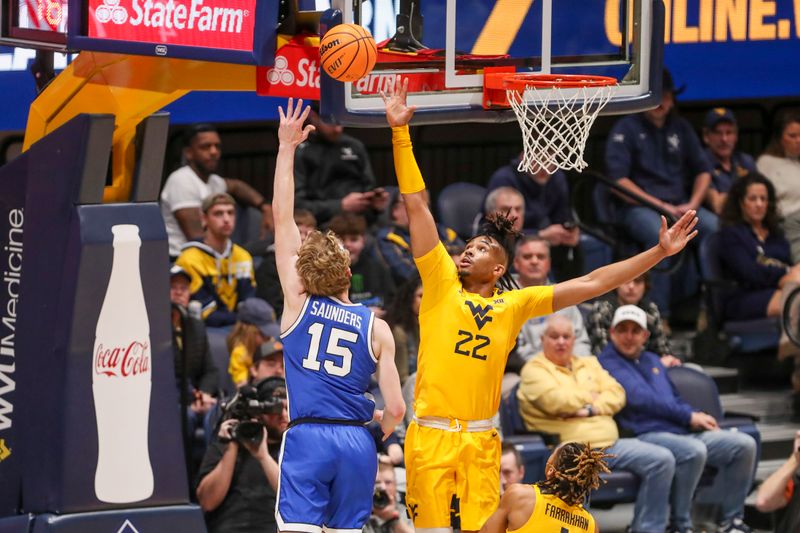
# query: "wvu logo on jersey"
{"type": "Point", "coordinates": [480, 313]}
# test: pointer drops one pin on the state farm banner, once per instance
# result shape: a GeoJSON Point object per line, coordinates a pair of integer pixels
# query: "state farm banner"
{"type": "Point", "coordinates": [221, 24]}
{"type": "Point", "coordinates": [296, 74]}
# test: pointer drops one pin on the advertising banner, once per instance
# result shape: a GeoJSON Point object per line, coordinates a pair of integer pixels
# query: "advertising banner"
{"type": "Point", "coordinates": [12, 231]}
{"type": "Point", "coordinates": [220, 24]}
{"type": "Point", "coordinates": [97, 388]}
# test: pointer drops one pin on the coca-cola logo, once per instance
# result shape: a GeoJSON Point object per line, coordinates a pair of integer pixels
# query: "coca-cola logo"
{"type": "Point", "coordinates": [122, 361]}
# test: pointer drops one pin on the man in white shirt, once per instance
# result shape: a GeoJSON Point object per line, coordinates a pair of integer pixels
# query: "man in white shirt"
{"type": "Point", "coordinates": [532, 263]}
{"type": "Point", "coordinates": [187, 187]}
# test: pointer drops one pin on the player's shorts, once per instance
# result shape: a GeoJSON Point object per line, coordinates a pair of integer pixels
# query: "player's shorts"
{"type": "Point", "coordinates": [452, 478]}
{"type": "Point", "coordinates": [327, 478]}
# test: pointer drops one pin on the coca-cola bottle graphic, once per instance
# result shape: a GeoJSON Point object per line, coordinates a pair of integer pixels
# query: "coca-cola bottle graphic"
{"type": "Point", "coordinates": [121, 379]}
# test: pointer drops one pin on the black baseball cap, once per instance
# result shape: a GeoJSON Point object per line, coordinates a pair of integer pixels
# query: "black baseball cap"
{"type": "Point", "coordinates": [668, 84]}
{"type": "Point", "coordinates": [271, 387]}
{"type": "Point", "coordinates": [717, 115]}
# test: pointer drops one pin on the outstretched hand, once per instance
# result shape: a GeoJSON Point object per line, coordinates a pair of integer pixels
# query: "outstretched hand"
{"type": "Point", "coordinates": [398, 112]}
{"type": "Point", "coordinates": [291, 131]}
{"type": "Point", "coordinates": [674, 239]}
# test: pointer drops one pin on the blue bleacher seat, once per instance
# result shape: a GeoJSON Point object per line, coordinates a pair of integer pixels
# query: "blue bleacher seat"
{"type": "Point", "coordinates": [700, 391]}
{"type": "Point", "coordinates": [458, 204]}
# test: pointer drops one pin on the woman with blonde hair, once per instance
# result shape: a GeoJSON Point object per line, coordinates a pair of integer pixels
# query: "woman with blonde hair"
{"type": "Point", "coordinates": [255, 324]}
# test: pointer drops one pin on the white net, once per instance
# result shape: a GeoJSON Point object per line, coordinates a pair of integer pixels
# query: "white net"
{"type": "Point", "coordinates": [555, 124]}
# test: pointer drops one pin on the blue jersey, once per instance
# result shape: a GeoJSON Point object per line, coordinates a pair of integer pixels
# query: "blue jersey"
{"type": "Point", "coordinates": [329, 360]}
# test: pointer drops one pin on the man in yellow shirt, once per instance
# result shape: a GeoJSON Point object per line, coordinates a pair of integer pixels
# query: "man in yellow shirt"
{"type": "Point", "coordinates": [577, 399]}
{"type": "Point", "coordinates": [467, 328]}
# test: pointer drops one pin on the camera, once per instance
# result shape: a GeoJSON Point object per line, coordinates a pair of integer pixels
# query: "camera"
{"type": "Point", "coordinates": [246, 405]}
{"type": "Point", "coordinates": [380, 498]}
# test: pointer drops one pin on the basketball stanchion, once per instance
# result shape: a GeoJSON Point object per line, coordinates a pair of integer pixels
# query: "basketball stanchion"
{"type": "Point", "coordinates": [555, 113]}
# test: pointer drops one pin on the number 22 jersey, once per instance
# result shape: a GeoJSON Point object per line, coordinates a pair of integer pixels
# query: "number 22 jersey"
{"type": "Point", "coordinates": [329, 360]}
{"type": "Point", "coordinates": [465, 340]}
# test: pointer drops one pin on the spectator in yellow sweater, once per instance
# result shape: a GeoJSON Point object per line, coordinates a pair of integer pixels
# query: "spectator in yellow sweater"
{"type": "Point", "coordinates": [577, 399]}
{"type": "Point", "coordinates": [255, 325]}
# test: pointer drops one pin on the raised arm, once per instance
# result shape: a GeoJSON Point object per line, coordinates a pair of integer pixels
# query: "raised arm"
{"type": "Point", "coordinates": [421, 225]}
{"type": "Point", "coordinates": [287, 237]}
{"type": "Point", "coordinates": [604, 279]}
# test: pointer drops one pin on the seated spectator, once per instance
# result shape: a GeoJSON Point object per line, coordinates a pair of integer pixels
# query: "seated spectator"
{"type": "Point", "coordinates": [371, 284]}
{"type": "Point", "coordinates": [196, 375]}
{"type": "Point", "coordinates": [333, 175]}
{"type": "Point", "coordinates": [255, 326]}
{"type": "Point", "coordinates": [187, 187]}
{"type": "Point", "coordinates": [268, 286]}
{"type": "Point", "coordinates": [239, 478]}
{"type": "Point", "coordinates": [547, 212]}
{"type": "Point", "coordinates": [388, 513]}
{"type": "Point", "coordinates": [403, 318]}
{"type": "Point", "coordinates": [194, 366]}
{"type": "Point", "coordinates": [532, 263]}
{"type": "Point", "coordinates": [754, 251]}
{"type": "Point", "coordinates": [630, 293]}
{"type": "Point", "coordinates": [221, 272]}
{"type": "Point", "coordinates": [394, 241]}
{"type": "Point", "coordinates": [720, 134]}
{"type": "Point", "coordinates": [656, 414]}
{"type": "Point", "coordinates": [781, 491]}
{"type": "Point", "coordinates": [780, 162]}
{"type": "Point", "coordinates": [267, 362]}
{"type": "Point", "coordinates": [657, 155]}
{"type": "Point", "coordinates": [512, 469]}
{"type": "Point", "coordinates": [575, 398]}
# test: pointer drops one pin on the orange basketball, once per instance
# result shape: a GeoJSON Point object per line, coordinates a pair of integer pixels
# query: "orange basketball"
{"type": "Point", "coordinates": [347, 52]}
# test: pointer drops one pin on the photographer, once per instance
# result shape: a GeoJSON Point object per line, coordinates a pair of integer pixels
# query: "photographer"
{"type": "Point", "coordinates": [388, 516]}
{"type": "Point", "coordinates": [239, 474]}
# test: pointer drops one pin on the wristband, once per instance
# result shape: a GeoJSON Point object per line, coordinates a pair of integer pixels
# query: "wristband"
{"type": "Point", "coordinates": [409, 178]}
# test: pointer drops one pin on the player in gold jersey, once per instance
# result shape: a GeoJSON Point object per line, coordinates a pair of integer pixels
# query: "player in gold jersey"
{"type": "Point", "coordinates": [555, 504]}
{"type": "Point", "coordinates": [467, 328]}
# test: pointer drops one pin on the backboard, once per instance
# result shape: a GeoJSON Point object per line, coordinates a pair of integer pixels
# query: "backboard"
{"type": "Point", "coordinates": [622, 39]}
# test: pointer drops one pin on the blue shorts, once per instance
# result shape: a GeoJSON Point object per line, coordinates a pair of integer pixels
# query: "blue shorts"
{"type": "Point", "coordinates": [327, 478]}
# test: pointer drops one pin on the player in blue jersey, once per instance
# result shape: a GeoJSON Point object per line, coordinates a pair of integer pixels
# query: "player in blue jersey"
{"type": "Point", "coordinates": [331, 348]}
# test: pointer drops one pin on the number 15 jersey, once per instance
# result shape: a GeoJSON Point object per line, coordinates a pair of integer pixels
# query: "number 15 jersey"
{"type": "Point", "coordinates": [465, 340]}
{"type": "Point", "coordinates": [329, 360]}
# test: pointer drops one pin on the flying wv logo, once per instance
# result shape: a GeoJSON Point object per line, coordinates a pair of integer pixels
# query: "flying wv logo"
{"type": "Point", "coordinates": [480, 313]}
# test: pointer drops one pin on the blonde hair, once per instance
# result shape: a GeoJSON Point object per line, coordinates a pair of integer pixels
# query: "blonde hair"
{"type": "Point", "coordinates": [245, 334]}
{"type": "Point", "coordinates": [322, 264]}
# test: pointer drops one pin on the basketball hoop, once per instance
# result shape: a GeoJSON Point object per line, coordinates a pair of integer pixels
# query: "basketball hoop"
{"type": "Point", "coordinates": [555, 113]}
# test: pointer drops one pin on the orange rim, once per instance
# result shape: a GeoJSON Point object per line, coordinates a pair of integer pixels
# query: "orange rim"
{"type": "Point", "coordinates": [520, 82]}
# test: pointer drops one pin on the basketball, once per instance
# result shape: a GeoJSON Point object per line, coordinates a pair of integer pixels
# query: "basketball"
{"type": "Point", "coordinates": [347, 52]}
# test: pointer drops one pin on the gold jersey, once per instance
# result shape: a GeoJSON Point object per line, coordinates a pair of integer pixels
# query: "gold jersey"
{"type": "Point", "coordinates": [465, 340]}
{"type": "Point", "coordinates": [551, 513]}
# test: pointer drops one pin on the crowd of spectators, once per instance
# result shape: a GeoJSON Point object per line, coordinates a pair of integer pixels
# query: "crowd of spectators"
{"type": "Point", "coordinates": [598, 373]}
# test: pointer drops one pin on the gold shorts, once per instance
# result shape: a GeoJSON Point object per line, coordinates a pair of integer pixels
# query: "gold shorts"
{"type": "Point", "coordinates": [452, 478]}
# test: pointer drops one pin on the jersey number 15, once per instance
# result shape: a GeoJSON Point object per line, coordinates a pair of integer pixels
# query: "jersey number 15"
{"type": "Point", "coordinates": [310, 362]}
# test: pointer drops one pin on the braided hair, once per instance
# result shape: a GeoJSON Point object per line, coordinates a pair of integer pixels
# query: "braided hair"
{"type": "Point", "coordinates": [500, 227]}
{"type": "Point", "coordinates": [577, 472]}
